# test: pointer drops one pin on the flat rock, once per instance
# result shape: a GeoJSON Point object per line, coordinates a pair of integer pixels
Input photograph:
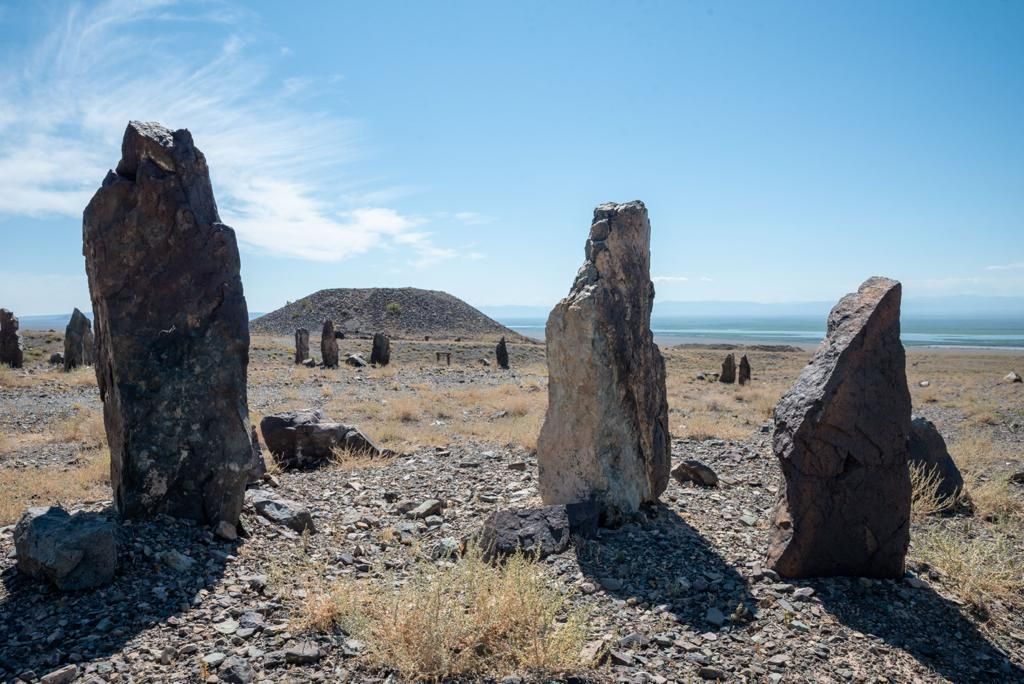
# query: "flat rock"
{"type": "Point", "coordinates": [538, 531]}
{"type": "Point", "coordinates": [73, 552]}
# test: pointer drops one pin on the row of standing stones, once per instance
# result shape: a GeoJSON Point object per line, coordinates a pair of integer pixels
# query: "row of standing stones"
{"type": "Point", "coordinates": [171, 369]}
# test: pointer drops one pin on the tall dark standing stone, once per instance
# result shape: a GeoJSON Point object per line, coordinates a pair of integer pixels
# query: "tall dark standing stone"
{"type": "Point", "coordinates": [501, 352]}
{"type": "Point", "coordinates": [172, 332]}
{"type": "Point", "coordinates": [78, 342]}
{"type": "Point", "coordinates": [605, 436]}
{"type": "Point", "coordinates": [744, 376]}
{"type": "Point", "coordinates": [841, 436]}
{"type": "Point", "coordinates": [728, 374]}
{"type": "Point", "coordinates": [301, 345]}
{"type": "Point", "coordinates": [329, 345]}
{"type": "Point", "coordinates": [381, 352]}
{"type": "Point", "coordinates": [10, 340]}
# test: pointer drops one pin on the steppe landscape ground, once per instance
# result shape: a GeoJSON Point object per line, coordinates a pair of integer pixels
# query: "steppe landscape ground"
{"type": "Point", "coordinates": [678, 593]}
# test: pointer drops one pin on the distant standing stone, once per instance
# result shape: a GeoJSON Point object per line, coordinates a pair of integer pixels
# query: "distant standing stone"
{"type": "Point", "coordinates": [10, 340]}
{"type": "Point", "coordinates": [329, 345]}
{"type": "Point", "coordinates": [381, 353]}
{"type": "Point", "coordinates": [501, 352]}
{"type": "Point", "coordinates": [172, 332]}
{"type": "Point", "coordinates": [301, 345]}
{"type": "Point", "coordinates": [841, 437]}
{"type": "Point", "coordinates": [728, 374]}
{"type": "Point", "coordinates": [744, 376]}
{"type": "Point", "coordinates": [78, 342]}
{"type": "Point", "coordinates": [605, 435]}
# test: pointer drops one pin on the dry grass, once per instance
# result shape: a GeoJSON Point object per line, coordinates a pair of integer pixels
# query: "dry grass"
{"type": "Point", "coordinates": [24, 487]}
{"type": "Point", "coordinates": [926, 500]}
{"type": "Point", "coordinates": [463, 619]}
{"type": "Point", "coordinates": [84, 426]}
{"type": "Point", "coordinates": [83, 376]}
{"type": "Point", "coordinates": [345, 459]}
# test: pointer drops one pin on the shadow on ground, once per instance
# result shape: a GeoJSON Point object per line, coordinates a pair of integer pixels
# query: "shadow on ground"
{"type": "Point", "coordinates": [42, 629]}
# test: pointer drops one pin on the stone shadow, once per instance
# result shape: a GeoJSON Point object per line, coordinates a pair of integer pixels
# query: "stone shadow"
{"type": "Point", "coordinates": [43, 629]}
{"type": "Point", "coordinates": [664, 561]}
{"type": "Point", "coordinates": [920, 622]}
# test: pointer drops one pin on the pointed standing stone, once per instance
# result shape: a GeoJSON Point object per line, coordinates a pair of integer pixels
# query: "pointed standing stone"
{"type": "Point", "coordinates": [10, 340]}
{"type": "Point", "coordinates": [744, 376]}
{"type": "Point", "coordinates": [172, 333]}
{"type": "Point", "coordinates": [841, 436]}
{"type": "Point", "coordinates": [728, 374]}
{"type": "Point", "coordinates": [78, 342]}
{"type": "Point", "coordinates": [501, 353]}
{"type": "Point", "coordinates": [380, 354]}
{"type": "Point", "coordinates": [301, 345]}
{"type": "Point", "coordinates": [605, 436]}
{"type": "Point", "coordinates": [329, 345]}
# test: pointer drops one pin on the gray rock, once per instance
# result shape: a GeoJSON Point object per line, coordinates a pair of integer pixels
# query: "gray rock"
{"type": "Point", "coordinates": [236, 670]}
{"type": "Point", "coordinates": [64, 675]}
{"type": "Point", "coordinates": [281, 511]}
{"type": "Point", "coordinates": [56, 359]}
{"type": "Point", "coordinates": [696, 472]}
{"type": "Point", "coordinates": [728, 374]}
{"type": "Point", "coordinates": [1013, 377]}
{"type": "Point", "coordinates": [74, 552]}
{"type": "Point", "coordinates": [10, 340]}
{"type": "Point", "coordinates": [79, 343]}
{"type": "Point", "coordinates": [927, 449]}
{"type": "Point", "coordinates": [300, 439]}
{"type": "Point", "coordinates": [501, 354]}
{"type": "Point", "coordinates": [306, 653]}
{"type": "Point", "coordinates": [380, 354]}
{"type": "Point", "coordinates": [425, 509]}
{"type": "Point", "coordinates": [715, 617]}
{"type": "Point", "coordinates": [172, 332]}
{"type": "Point", "coordinates": [329, 345]}
{"type": "Point", "coordinates": [541, 531]}
{"type": "Point", "coordinates": [605, 435]}
{"type": "Point", "coordinates": [356, 361]}
{"type": "Point", "coordinates": [301, 345]}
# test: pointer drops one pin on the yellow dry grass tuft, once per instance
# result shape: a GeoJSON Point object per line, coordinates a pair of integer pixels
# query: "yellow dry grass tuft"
{"type": "Point", "coordinates": [24, 487]}
{"type": "Point", "coordinates": [926, 500]}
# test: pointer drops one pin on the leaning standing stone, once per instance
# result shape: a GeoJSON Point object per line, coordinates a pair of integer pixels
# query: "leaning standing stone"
{"type": "Point", "coordinates": [841, 437]}
{"type": "Point", "coordinates": [744, 376]}
{"type": "Point", "coordinates": [501, 353]}
{"type": "Point", "coordinates": [728, 374]}
{"type": "Point", "coordinates": [329, 345]}
{"type": "Point", "coordinates": [172, 332]}
{"type": "Point", "coordinates": [301, 345]}
{"type": "Point", "coordinates": [381, 352]}
{"type": "Point", "coordinates": [10, 340]}
{"type": "Point", "coordinates": [605, 436]}
{"type": "Point", "coordinates": [78, 342]}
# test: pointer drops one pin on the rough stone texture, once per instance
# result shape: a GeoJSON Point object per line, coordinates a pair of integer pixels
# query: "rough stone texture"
{"type": "Point", "coordinates": [78, 342]}
{"type": "Point", "coordinates": [301, 345]}
{"type": "Point", "coordinates": [381, 352]}
{"type": "Point", "coordinates": [841, 436]}
{"type": "Point", "coordinates": [259, 465]}
{"type": "Point", "coordinates": [501, 354]}
{"type": "Point", "coordinates": [10, 341]}
{"type": "Point", "coordinates": [1013, 376]}
{"type": "Point", "coordinates": [56, 359]}
{"type": "Point", "coordinates": [280, 511]}
{"type": "Point", "coordinates": [537, 531]}
{"type": "Point", "coordinates": [300, 439]}
{"type": "Point", "coordinates": [172, 332]}
{"type": "Point", "coordinates": [696, 472]}
{"type": "Point", "coordinates": [744, 376]}
{"type": "Point", "coordinates": [928, 450]}
{"type": "Point", "coordinates": [605, 436]}
{"type": "Point", "coordinates": [728, 374]}
{"type": "Point", "coordinates": [329, 345]}
{"type": "Point", "coordinates": [74, 552]}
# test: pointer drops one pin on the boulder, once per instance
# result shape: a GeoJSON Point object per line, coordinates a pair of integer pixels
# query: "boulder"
{"type": "Point", "coordinates": [605, 435]}
{"type": "Point", "coordinates": [329, 345]}
{"type": "Point", "coordinates": [501, 354]}
{"type": "Point", "coordinates": [728, 374]}
{"type": "Point", "coordinates": [56, 359]}
{"type": "Point", "coordinates": [696, 472]}
{"type": "Point", "coordinates": [356, 361]}
{"type": "Point", "coordinates": [927, 449]}
{"type": "Point", "coordinates": [78, 342]}
{"type": "Point", "coordinates": [172, 332]}
{"type": "Point", "coordinates": [301, 345]}
{"type": "Point", "coordinates": [380, 355]}
{"type": "Point", "coordinates": [281, 511]}
{"type": "Point", "coordinates": [539, 531]}
{"type": "Point", "coordinates": [301, 439]}
{"type": "Point", "coordinates": [841, 437]}
{"type": "Point", "coordinates": [1013, 377]}
{"type": "Point", "coordinates": [74, 552]}
{"type": "Point", "coordinates": [744, 376]}
{"type": "Point", "coordinates": [10, 341]}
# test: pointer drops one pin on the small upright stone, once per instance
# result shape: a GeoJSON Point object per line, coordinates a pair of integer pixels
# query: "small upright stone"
{"type": "Point", "coordinates": [841, 437]}
{"type": "Point", "coordinates": [78, 342]}
{"type": "Point", "coordinates": [301, 345]}
{"type": "Point", "coordinates": [605, 435]}
{"type": "Point", "coordinates": [380, 355]}
{"type": "Point", "coordinates": [928, 451]}
{"type": "Point", "coordinates": [329, 345]}
{"type": "Point", "coordinates": [744, 376]}
{"type": "Point", "coordinates": [10, 340]}
{"type": "Point", "coordinates": [728, 374]}
{"type": "Point", "coordinates": [501, 353]}
{"type": "Point", "coordinates": [172, 332]}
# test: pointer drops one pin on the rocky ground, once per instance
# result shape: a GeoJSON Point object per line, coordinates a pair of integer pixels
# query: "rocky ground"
{"type": "Point", "coordinates": [677, 594]}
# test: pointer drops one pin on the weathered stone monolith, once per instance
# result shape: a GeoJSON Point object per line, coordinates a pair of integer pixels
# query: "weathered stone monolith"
{"type": "Point", "coordinates": [301, 345]}
{"type": "Point", "coordinates": [501, 353]}
{"type": "Point", "coordinates": [728, 374]}
{"type": "Point", "coordinates": [380, 354]}
{"type": "Point", "coordinates": [10, 341]}
{"type": "Point", "coordinates": [78, 342]}
{"type": "Point", "coordinates": [172, 332]}
{"type": "Point", "coordinates": [841, 437]}
{"type": "Point", "coordinates": [605, 436]}
{"type": "Point", "coordinates": [329, 345]}
{"type": "Point", "coordinates": [744, 375]}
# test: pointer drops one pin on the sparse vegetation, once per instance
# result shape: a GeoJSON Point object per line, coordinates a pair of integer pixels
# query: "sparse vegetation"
{"type": "Point", "coordinates": [89, 480]}
{"type": "Point", "coordinates": [394, 308]}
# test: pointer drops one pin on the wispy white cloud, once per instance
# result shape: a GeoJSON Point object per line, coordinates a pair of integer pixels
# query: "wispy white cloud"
{"type": "Point", "coordinates": [275, 166]}
{"type": "Point", "coordinates": [670, 279]}
{"type": "Point", "coordinates": [1016, 266]}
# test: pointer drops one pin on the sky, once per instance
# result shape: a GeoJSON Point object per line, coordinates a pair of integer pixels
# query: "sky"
{"type": "Point", "coordinates": [785, 151]}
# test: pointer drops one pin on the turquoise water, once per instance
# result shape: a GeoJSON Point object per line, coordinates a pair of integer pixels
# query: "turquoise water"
{"type": "Point", "coordinates": [1005, 333]}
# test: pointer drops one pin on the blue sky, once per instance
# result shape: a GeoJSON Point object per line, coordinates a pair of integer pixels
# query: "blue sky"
{"type": "Point", "coordinates": [785, 150]}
